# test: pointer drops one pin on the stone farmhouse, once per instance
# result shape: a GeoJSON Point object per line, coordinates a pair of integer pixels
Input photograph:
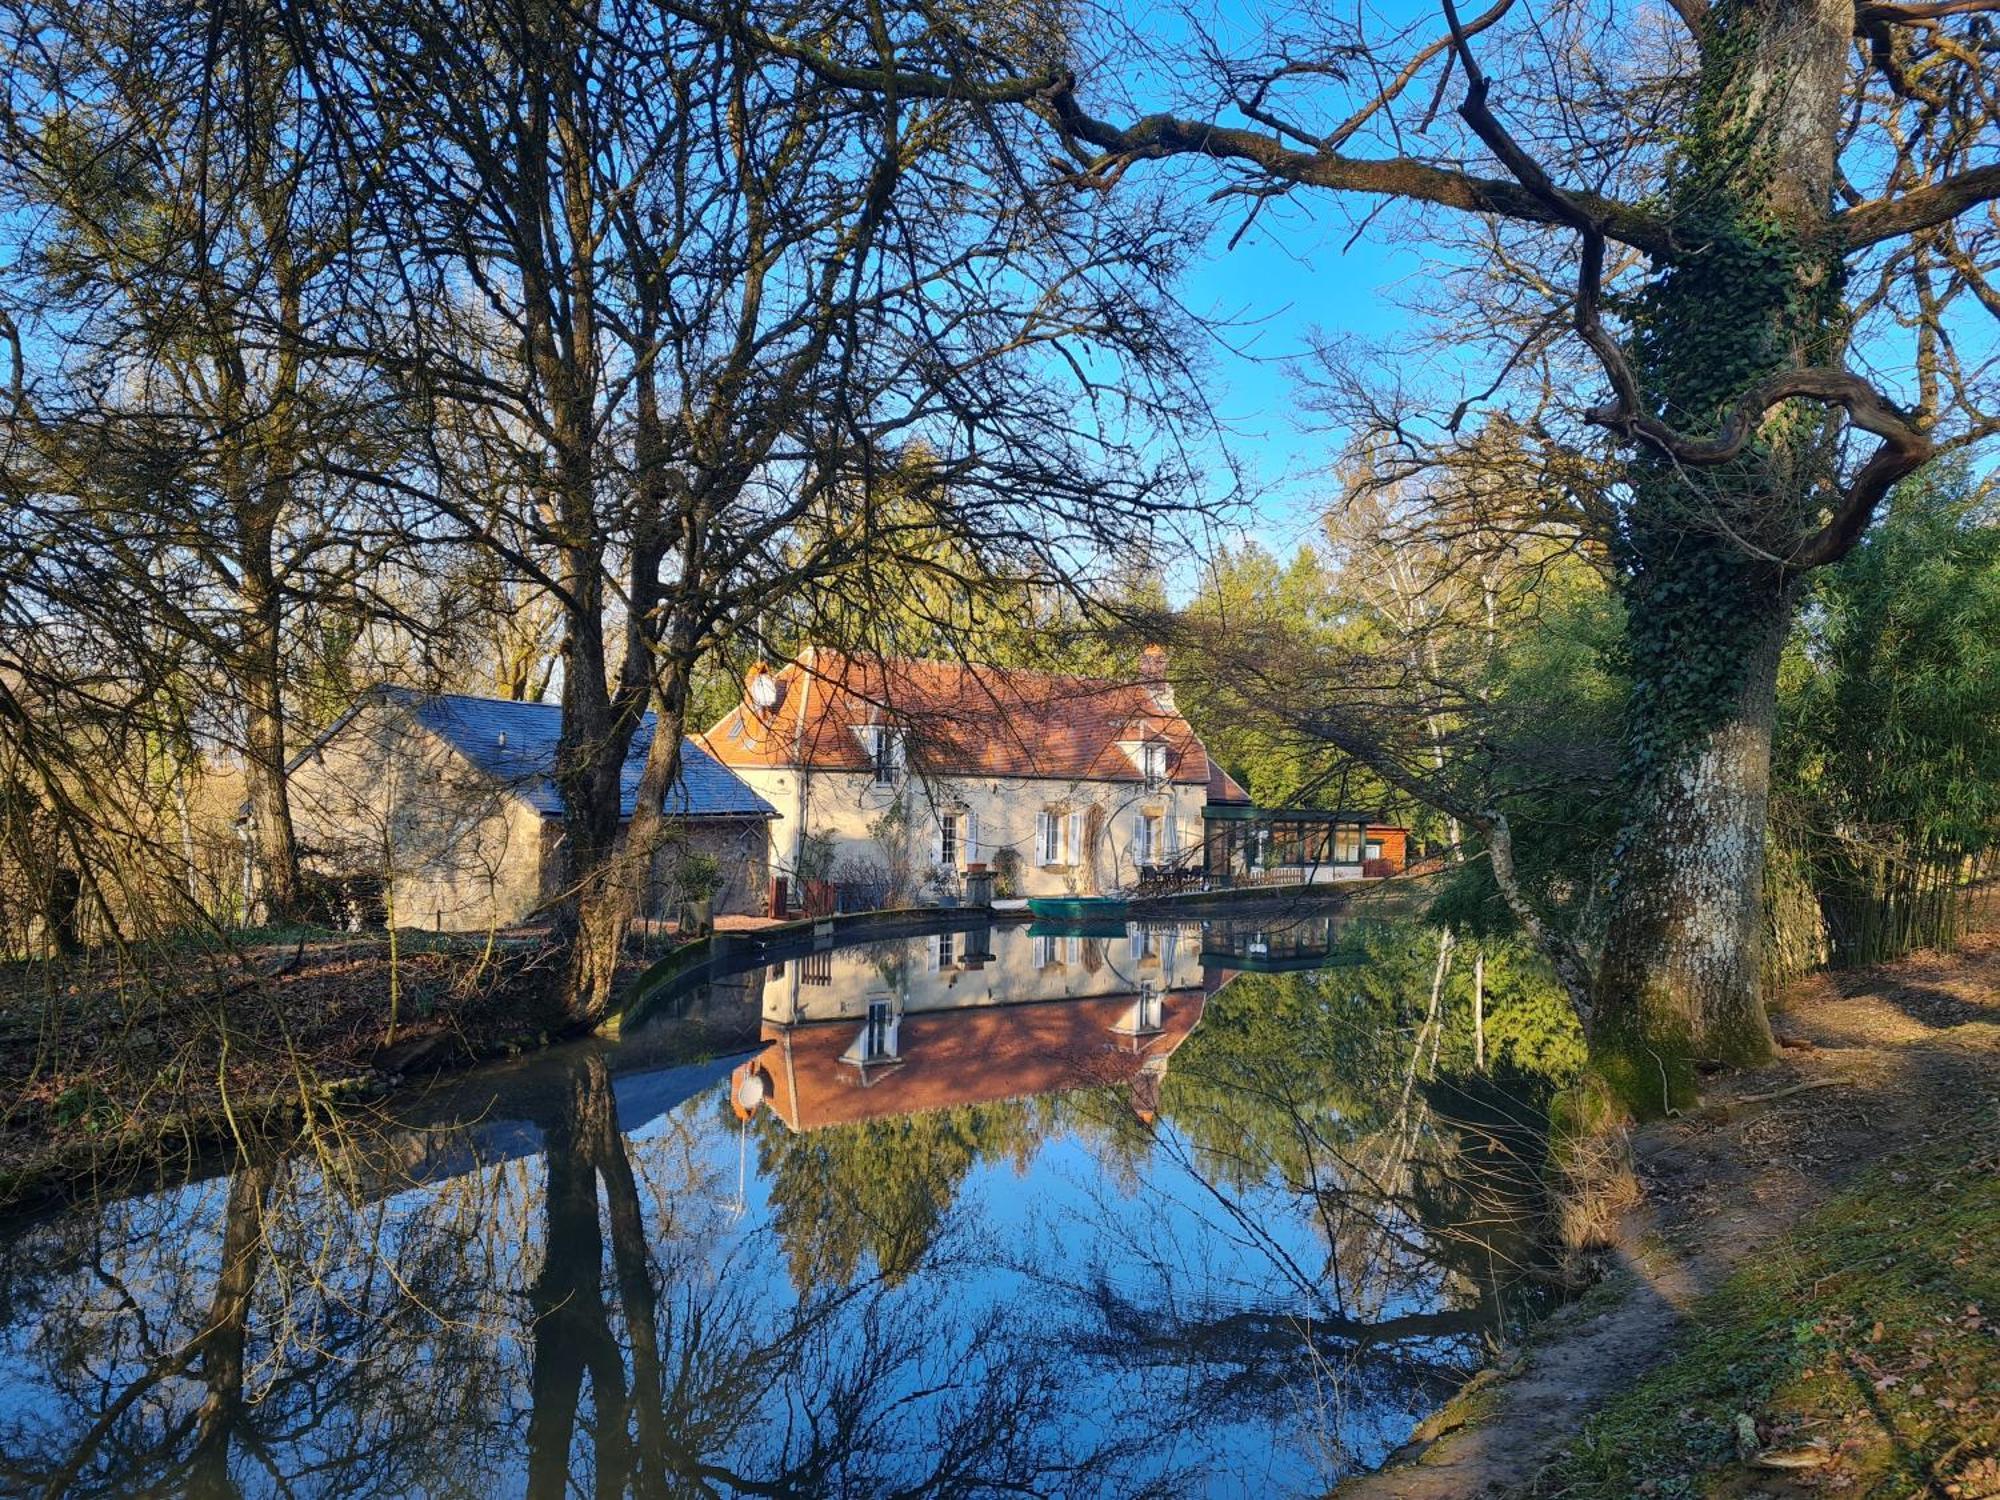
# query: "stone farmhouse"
{"type": "Point", "coordinates": [442, 808]}
{"type": "Point", "coordinates": [907, 772]}
{"type": "Point", "coordinates": [895, 776]}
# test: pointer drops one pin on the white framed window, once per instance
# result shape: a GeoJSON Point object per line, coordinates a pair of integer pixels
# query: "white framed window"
{"type": "Point", "coordinates": [944, 951]}
{"type": "Point", "coordinates": [948, 848]}
{"type": "Point", "coordinates": [1152, 1009]}
{"type": "Point", "coordinates": [1153, 762]}
{"type": "Point", "coordinates": [885, 751]}
{"type": "Point", "coordinates": [879, 1038]}
{"type": "Point", "coordinates": [1048, 952]}
{"type": "Point", "coordinates": [1049, 837]}
{"type": "Point", "coordinates": [1148, 838]}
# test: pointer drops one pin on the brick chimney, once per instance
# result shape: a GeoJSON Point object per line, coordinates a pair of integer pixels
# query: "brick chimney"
{"type": "Point", "coordinates": [1153, 676]}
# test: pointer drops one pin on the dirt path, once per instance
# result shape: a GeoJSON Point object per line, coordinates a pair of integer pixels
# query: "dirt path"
{"type": "Point", "coordinates": [1894, 1057]}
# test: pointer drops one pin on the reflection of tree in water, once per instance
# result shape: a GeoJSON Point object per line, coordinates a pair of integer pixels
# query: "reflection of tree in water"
{"type": "Point", "coordinates": [365, 1340]}
{"type": "Point", "coordinates": [191, 1450]}
{"type": "Point", "coordinates": [1340, 1098]}
{"type": "Point", "coordinates": [879, 1190]}
{"type": "Point", "coordinates": [703, 1378]}
{"type": "Point", "coordinates": [223, 1342]}
{"type": "Point", "coordinates": [1325, 1215]}
{"type": "Point", "coordinates": [1481, 1190]}
{"type": "Point", "coordinates": [209, 1340]}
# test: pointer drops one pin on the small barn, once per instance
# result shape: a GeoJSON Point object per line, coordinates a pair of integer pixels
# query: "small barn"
{"type": "Point", "coordinates": [443, 809]}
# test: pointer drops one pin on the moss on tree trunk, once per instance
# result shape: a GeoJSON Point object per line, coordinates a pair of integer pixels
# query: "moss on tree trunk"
{"type": "Point", "coordinates": [1756, 290]}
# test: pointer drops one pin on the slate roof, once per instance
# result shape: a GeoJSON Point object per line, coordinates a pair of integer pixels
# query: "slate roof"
{"type": "Point", "coordinates": [526, 759]}
{"type": "Point", "coordinates": [959, 718]}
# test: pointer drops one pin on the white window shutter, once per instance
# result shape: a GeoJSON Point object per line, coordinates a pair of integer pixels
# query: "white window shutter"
{"type": "Point", "coordinates": [1041, 837]}
{"type": "Point", "coordinates": [1074, 853]}
{"type": "Point", "coordinates": [937, 838]}
{"type": "Point", "coordinates": [1173, 829]}
{"type": "Point", "coordinates": [970, 837]}
{"type": "Point", "coordinates": [1141, 855]}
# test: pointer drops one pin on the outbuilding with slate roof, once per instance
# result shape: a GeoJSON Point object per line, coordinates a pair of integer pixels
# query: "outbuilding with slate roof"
{"type": "Point", "coordinates": [445, 809]}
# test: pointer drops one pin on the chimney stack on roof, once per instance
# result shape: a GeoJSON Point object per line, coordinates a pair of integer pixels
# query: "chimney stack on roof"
{"type": "Point", "coordinates": [1153, 676]}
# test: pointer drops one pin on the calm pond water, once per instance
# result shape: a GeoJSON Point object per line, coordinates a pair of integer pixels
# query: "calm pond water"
{"type": "Point", "coordinates": [1161, 1210]}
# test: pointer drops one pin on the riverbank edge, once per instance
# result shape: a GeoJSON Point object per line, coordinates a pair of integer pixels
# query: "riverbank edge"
{"type": "Point", "coordinates": [68, 1171]}
{"type": "Point", "coordinates": [72, 1171]}
{"type": "Point", "coordinates": [1877, 1298]}
{"type": "Point", "coordinates": [1580, 1381]}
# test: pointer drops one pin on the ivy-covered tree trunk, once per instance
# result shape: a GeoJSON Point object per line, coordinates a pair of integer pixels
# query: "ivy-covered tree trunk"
{"type": "Point", "coordinates": [1752, 288]}
{"type": "Point", "coordinates": [1678, 981]}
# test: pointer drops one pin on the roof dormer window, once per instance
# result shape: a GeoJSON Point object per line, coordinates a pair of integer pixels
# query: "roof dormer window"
{"type": "Point", "coordinates": [885, 752]}
{"type": "Point", "coordinates": [1153, 762]}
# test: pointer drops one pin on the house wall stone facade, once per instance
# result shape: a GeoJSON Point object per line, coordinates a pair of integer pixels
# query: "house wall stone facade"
{"type": "Point", "coordinates": [740, 848]}
{"type": "Point", "coordinates": [1098, 842]}
{"type": "Point", "coordinates": [384, 799]}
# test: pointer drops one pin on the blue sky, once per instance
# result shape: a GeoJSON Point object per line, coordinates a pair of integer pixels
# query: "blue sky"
{"type": "Point", "coordinates": [1295, 271]}
{"type": "Point", "coordinates": [1291, 274]}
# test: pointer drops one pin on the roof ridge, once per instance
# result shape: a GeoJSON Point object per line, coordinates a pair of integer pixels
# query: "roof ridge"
{"type": "Point", "coordinates": [965, 664]}
{"type": "Point", "coordinates": [481, 730]}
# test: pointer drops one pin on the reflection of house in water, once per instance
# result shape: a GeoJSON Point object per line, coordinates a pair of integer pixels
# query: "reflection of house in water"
{"type": "Point", "coordinates": [1277, 943]}
{"type": "Point", "coordinates": [972, 1018]}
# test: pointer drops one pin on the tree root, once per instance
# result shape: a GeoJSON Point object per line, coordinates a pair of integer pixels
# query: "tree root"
{"type": "Point", "coordinates": [1786, 1093]}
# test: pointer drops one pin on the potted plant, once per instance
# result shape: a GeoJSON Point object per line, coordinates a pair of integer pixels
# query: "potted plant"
{"type": "Point", "coordinates": [698, 877]}
{"type": "Point", "coordinates": [1006, 873]}
{"type": "Point", "coordinates": [812, 874]}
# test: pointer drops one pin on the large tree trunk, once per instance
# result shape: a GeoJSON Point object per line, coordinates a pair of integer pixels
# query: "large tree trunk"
{"type": "Point", "coordinates": [273, 849]}
{"type": "Point", "coordinates": [1678, 980]}
{"type": "Point", "coordinates": [1757, 290]}
{"type": "Point", "coordinates": [610, 891]}
{"type": "Point", "coordinates": [560, 291]}
{"type": "Point", "coordinates": [590, 758]}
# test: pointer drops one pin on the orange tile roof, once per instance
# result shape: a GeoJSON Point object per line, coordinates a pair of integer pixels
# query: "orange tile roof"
{"type": "Point", "coordinates": [1224, 788]}
{"type": "Point", "coordinates": [958, 719]}
{"type": "Point", "coordinates": [970, 1056]}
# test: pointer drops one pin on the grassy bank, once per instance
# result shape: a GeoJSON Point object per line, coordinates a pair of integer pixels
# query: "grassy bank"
{"type": "Point", "coordinates": [117, 1060]}
{"type": "Point", "coordinates": [1858, 1355]}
